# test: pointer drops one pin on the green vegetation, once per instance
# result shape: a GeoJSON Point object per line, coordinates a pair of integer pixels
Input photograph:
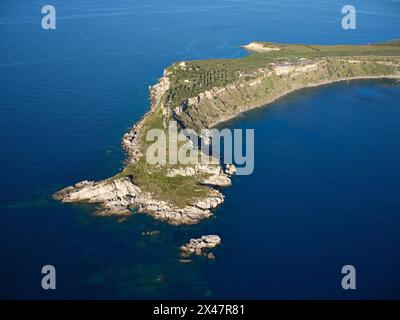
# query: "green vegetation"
{"type": "Point", "coordinates": [177, 190]}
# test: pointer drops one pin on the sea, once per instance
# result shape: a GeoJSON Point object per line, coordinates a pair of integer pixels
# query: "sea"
{"type": "Point", "coordinates": [324, 193]}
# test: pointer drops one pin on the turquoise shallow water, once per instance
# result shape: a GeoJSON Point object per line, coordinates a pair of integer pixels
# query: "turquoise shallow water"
{"type": "Point", "coordinates": [324, 190]}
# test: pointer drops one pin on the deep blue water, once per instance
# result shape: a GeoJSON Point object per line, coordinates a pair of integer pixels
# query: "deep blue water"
{"type": "Point", "coordinates": [325, 188]}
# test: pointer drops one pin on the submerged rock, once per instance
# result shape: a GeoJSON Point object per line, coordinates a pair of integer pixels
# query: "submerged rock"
{"type": "Point", "coordinates": [154, 233]}
{"type": "Point", "coordinates": [210, 256]}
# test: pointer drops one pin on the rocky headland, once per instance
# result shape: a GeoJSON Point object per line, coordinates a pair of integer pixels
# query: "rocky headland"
{"type": "Point", "coordinates": [202, 94]}
{"type": "Point", "coordinates": [117, 195]}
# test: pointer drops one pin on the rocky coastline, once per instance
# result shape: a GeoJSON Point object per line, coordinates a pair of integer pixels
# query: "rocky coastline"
{"type": "Point", "coordinates": [119, 194]}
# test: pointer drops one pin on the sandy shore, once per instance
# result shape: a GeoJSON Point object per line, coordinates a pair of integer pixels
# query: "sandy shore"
{"type": "Point", "coordinates": [259, 47]}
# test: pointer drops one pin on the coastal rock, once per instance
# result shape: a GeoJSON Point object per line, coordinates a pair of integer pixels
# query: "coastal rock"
{"type": "Point", "coordinates": [117, 196]}
{"type": "Point", "coordinates": [216, 175]}
{"type": "Point", "coordinates": [214, 199]}
{"type": "Point", "coordinates": [114, 196]}
{"type": "Point", "coordinates": [184, 172]}
{"type": "Point", "coordinates": [157, 91]}
{"type": "Point", "coordinates": [189, 214]}
{"type": "Point", "coordinates": [200, 246]}
{"type": "Point", "coordinates": [229, 169]}
{"type": "Point", "coordinates": [210, 255]}
{"type": "Point", "coordinates": [131, 144]}
{"type": "Point", "coordinates": [220, 180]}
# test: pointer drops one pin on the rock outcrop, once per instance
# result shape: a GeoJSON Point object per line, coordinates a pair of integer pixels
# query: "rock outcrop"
{"type": "Point", "coordinates": [157, 91]}
{"type": "Point", "coordinates": [219, 180]}
{"type": "Point", "coordinates": [114, 195]}
{"type": "Point", "coordinates": [216, 175]}
{"type": "Point", "coordinates": [118, 196]}
{"type": "Point", "coordinates": [200, 247]}
{"type": "Point", "coordinates": [131, 143]}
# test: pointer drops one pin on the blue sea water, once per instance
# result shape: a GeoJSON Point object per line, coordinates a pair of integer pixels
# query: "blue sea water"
{"type": "Point", "coordinates": [325, 188]}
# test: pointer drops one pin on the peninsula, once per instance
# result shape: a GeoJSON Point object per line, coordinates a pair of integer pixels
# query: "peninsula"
{"type": "Point", "coordinates": [202, 94]}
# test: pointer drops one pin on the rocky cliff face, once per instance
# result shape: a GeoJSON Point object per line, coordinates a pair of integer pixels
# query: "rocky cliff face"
{"type": "Point", "coordinates": [219, 104]}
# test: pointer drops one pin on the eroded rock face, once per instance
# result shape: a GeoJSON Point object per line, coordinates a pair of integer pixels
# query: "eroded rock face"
{"type": "Point", "coordinates": [114, 196]}
{"type": "Point", "coordinates": [184, 172]}
{"type": "Point", "coordinates": [118, 196]}
{"type": "Point", "coordinates": [157, 91]}
{"type": "Point", "coordinates": [190, 214]}
{"type": "Point", "coordinates": [218, 176]}
{"type": "Point", "coordinates": [131, 142]}
{"type": "Point", "coordinates": [220, 180]}
{"type": "Point", "coordinates": [200, 247]}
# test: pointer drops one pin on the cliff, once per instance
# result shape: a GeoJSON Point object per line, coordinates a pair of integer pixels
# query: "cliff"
{"type": "Point", "coordinates": [274, 80]}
